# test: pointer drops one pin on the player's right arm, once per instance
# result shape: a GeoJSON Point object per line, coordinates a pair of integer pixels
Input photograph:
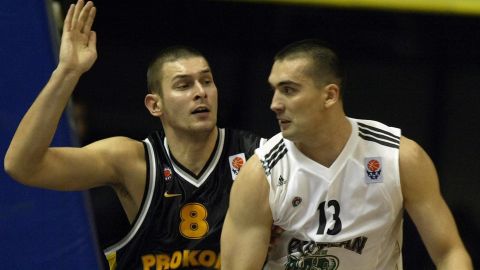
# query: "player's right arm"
{"type": "Point", "coordinates": [247, 227]}
{"type": "Point", "coordinates": [29, 158]}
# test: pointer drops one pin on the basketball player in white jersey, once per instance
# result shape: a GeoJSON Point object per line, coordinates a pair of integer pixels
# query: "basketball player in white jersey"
{"type": "Point", "coordinates": [336, 185]}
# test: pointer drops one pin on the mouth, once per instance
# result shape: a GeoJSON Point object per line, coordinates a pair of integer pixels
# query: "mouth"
{"type": "Point", "coordinates": [284, 124]}
{"type": "Point", "coordinates": [200, 109]}
{"type": "Point", "coordinates": [283, 121]}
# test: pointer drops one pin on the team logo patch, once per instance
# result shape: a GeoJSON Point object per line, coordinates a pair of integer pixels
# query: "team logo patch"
{"type": "Point", "coordinates": [320, 262]}
{"type": "Point", "coordinates": [309, 255]}
{"type": "Point", "coordinates": [373, 170]}
{"type": "Point", "coordinates": [296, 201]}
{"type": "Point", "coordinates": [236, 162]}
{"type": "Point", "coordinates": [167, 173]}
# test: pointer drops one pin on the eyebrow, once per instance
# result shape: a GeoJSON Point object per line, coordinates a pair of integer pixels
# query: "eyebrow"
{"type": "Point", "coordinates": [287, 82]}
{"type": "Point", "coordinates": [181, 76]}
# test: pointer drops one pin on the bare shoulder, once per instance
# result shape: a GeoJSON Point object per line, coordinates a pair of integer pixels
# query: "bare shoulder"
{"type": "Point", "coordinates": [251, 188]}
{"type": "Point", "coordinates": [125, 155]}
{"type": "Point", "coordinates": [409, 149]}
{"type": "Point", "coordinates": [418, 175]}
{"type": "Point", "coordinates": [117, 145]}
{"type": "Point", "coordinates": [412, 156]}
{"type": "Point", "coordinates": [252, 172]}
{"type": "Point", "coordinates": [254, 165]}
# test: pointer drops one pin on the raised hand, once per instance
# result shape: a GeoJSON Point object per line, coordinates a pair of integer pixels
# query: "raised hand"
{"type": "Point", "coordinates": [78, 48]}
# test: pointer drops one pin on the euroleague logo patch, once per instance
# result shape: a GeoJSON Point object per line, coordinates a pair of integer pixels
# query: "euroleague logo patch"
{"type": "Point", "coordinates": [373, 170]}
{"type": "Point", "coordinates": [167, 173]}
{"type": "Point", "coordinates": [236, 162]}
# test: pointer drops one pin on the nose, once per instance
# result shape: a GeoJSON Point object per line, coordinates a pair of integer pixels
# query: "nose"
{"type": "Point", "coordinates": [200, 90]}
{"type": "Point", "coordinates": [276, 105]}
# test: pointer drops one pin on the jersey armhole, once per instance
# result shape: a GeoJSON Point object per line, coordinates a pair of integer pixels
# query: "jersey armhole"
{"type": "Point", "coordinates": [146, 200]}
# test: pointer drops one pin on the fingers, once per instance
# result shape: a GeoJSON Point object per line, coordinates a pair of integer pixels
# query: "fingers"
{"type": "Point", "coordinates": [67, 24]}
{"type": "Point", "coordinates": [90, 18]}
{"type": "Point", "coordinates": [83, 16]}
{"type": "Point", "coordinates": [76, 13]}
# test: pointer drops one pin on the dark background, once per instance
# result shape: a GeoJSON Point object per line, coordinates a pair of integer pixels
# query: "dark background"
{"type": "Point", "coordinates": [416, 71]}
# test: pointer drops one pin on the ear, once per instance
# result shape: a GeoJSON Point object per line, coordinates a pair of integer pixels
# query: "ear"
{"type": "Point", "coordinates": [153, 102]}
{"type": "Point", "coordinates": [332, 92]}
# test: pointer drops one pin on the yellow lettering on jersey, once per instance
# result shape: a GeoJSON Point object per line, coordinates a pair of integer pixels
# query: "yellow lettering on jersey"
{"type": "Point", "coordinates": [184, 258]}
{"type": "Point", "coordinates": [207, 258]}
{"type": "Point", "coordinates": [148, 261]}
{"type": "Point", "coordinates": [176, 260]}
{"type": "Point", "coordinates": [191, 257]}
{"type": "Point", "coordinates": [163, 262]}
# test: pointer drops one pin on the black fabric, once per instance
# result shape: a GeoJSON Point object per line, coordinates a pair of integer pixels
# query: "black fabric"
{"type": "Point", "coordinates": [160, 241]}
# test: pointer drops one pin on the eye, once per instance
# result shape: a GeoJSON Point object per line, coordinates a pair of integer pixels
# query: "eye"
{"type": "Point", "coordinates": [287, 90]}
{"type": "Point", "coordinates": [207, 81]}
{"type": "Point", "coordinates": [183, 85]}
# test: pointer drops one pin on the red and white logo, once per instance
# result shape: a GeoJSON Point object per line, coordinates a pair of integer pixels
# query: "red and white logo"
{"type": "Point", "coordinates": [236, 163]}
{"type": "Point", "coordinates": [167, 173]}
{"type": "Point", "coordinates": [373, 170]}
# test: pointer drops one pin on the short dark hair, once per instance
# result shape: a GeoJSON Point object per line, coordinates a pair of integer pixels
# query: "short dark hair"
{"type": "Point", "coordinates": [170, 54]}
{"type": "Point", "coordinates": [326, 66]}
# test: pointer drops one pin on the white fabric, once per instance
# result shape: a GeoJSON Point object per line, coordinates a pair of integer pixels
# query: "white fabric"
{"type": "Point", "coordinates": [368, 206]}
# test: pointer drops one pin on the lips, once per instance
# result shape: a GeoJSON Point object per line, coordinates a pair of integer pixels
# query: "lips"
{"type": "Point", "coordinates": [200, 109]}
{"type": "Point", "coordinates": [283, 121]}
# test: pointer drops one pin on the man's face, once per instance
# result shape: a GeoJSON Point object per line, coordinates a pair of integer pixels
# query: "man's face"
{"type": "Point", "coordinates": [189, 95]}
{"type": "Point", "coordinates": [297, 101]}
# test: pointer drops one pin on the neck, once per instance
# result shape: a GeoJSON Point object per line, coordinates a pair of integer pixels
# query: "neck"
{"type": "Point", "coordinates": [192, 150]}
{"type": "Point", "coordinates": [327, 142]}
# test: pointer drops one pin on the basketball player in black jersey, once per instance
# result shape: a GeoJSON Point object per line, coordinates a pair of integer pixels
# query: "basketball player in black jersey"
{"type": "Point", "coordinates": [174, 186]}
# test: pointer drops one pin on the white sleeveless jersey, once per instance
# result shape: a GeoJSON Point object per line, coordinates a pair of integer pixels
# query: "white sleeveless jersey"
{"type": "Point", "coordinates": [347, 216]}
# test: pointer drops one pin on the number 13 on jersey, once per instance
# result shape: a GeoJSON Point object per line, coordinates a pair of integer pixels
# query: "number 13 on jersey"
{"type": "Point", "coordinates": [337, 227]}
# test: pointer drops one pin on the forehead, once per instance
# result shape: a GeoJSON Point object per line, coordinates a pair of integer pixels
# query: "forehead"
{"type": "Point", "coordinates": [184, 67]}
{"type": "Point", "coordinates": [295, 69]}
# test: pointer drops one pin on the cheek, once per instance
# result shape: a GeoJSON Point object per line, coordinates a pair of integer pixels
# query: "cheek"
{"type": "Point", "coordinates": [309, 109]}
{"type": "Point", "coordinates": [174, 106]}
{"type": "Point", "coordinates": [213, 97]}
{"type": "Point", "coordinates": [307, 104]}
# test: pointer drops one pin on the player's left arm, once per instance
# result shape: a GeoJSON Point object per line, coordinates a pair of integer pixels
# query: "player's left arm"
{"type": "Point", "coordinates": [428, 210]}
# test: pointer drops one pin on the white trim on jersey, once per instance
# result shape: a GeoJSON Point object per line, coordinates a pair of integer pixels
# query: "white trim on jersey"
{"type": "Point", "coordinates": [262, 141]}
{"type": "Point", "coordinates": [211, 166]}
{"type": "Point", "coordinates": [148, 200]}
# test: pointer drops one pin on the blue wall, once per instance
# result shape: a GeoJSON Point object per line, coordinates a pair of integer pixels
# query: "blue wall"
{"type": "Point", "coordinates": [39, 229]}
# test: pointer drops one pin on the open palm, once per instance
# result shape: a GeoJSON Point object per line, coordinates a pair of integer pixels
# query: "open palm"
{"type": "Point", "coordinates": [78, 48]}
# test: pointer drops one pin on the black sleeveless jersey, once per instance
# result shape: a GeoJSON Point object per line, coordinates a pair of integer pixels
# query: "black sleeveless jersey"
{"type": "Point", "coordinates": [180, 220]}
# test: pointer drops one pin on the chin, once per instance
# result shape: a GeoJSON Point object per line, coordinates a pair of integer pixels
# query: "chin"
{"type": "Point", "coordinates": [204, 127]}
{"type": "Point", "coordinates": [287, 135]}
{"type": "Point", "coordinates": [290, 134]}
